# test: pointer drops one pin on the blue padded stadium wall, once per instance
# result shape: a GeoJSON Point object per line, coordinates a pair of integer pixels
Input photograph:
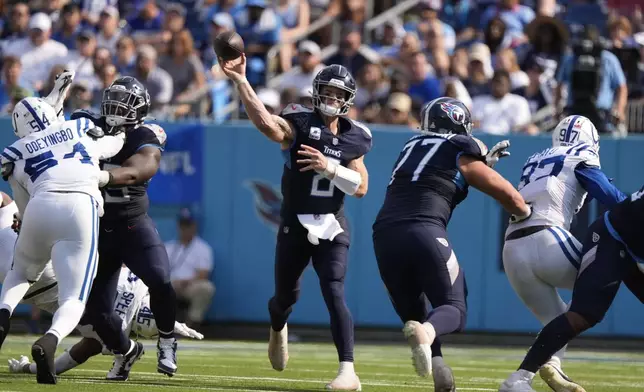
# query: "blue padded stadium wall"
{"type": "Point", "coordinates": [230, 175]}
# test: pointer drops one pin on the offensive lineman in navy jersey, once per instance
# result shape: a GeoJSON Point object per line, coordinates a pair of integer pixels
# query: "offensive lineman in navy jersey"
{"type": "Point", "coordinates": [127, 234]}
{"type": "Point", "coordinates": [415, 259]}
{"type": "Point", "coordinates": [323, 154]}
{"type": "Point", "coordinates": [613, 252]}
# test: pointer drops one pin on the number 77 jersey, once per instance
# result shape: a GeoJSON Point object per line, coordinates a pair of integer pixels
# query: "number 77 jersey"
{"type": "Point", "coordinates": [426, 184]}
{"type": "Point", "coordinates": [549, 183]}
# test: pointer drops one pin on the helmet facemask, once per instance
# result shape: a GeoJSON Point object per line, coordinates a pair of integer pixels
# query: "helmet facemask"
{"type": "Point", "coordinates": [332, 99]}
{"type": "Point", "coordinates": [121, 107]}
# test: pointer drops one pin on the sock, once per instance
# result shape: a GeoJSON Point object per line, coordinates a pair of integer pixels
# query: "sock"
{"type": "Point", "coordinates": [163, 303]}
{"type": "Point", "coordinates": [437, 361]}
{"type": "Point", "coordinates": [278, 316]}
{"type": "Point", "coordinates": [108, 327]}
{"type": "Point", "coordinates": [66, 318]}
{"type": "Point", "coordinates": [346, 367]}
{"type": "Point", "coordinates": [64, 362]}
{"type": "Point", "coordinates": [445, 319]}
{"type": "Point", "coordinates": [166, 335]}
{"type": "Point", "coordinates": [436, 348]}
{"type": "Point", "coordinates": [552, 337]}
{"type": "Point", "coordinates": [14, 288]}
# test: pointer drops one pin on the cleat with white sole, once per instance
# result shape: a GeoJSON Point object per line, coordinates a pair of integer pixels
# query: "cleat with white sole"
{"type": "Point", "coordinates": [557, 379]}
{"type": "Point", "coordinates": [278, 348]}
{"type": "Point", "coordinates": [420, 342]}
{"type": "Point", "coordinates": [346, 380]}
{"type": "Point", "coordinates": [519, 381]}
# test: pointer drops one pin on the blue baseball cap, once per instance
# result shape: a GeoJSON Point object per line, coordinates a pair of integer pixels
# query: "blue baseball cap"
{"type": "Point", "coordinates": [186, 216]}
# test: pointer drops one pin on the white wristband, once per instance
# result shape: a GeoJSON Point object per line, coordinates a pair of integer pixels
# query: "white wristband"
{"type": "Point", "coordinates": [103, 178]}
{"type": "Point", "coordinates": [330, 170]}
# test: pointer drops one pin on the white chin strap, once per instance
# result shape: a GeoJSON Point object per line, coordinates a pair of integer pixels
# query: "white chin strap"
{"type": "Point", "coordinates": [329, 110]}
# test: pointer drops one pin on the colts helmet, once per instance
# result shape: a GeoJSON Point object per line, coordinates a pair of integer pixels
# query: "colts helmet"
{"type": "Point", "coordinates": [335, 76]}
{"type": "Point", "coordinates": [446, 115]}
{"type": "Point", "coordinates": [32, 115]}
{"type": "Point", "coordinates": [125, 102]}
{"type": "Point", "coordinates": [574, 130]}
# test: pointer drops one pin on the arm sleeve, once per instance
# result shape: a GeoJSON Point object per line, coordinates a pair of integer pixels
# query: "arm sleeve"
{"type": "Point", "coordinates": [595, 182]}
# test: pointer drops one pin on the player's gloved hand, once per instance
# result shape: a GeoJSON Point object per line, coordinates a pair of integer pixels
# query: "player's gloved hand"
{"type": "Point", "coordinates": [19, 366]}
{"type": "Point", "coordinates": [497, 152]}
{"type": "Point", "coordinates": [17, 223]}
{"type": "Point", "coordinates": [62, 83]}
{"type": "Point", "coordinates": [520, 218]}
{"type": "Point", "coordinates": [184, 330]}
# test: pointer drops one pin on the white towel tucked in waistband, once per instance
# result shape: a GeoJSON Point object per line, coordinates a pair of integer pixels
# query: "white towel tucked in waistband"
{"type": "Point", "coordinates": [323, 226]}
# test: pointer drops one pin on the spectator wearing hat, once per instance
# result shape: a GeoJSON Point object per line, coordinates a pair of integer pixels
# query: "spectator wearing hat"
{"type": "Point", "coordinates": [191, 263]}
{"type": "Point", "coordinates": [260, 27]}
{"type": "Point", "coordinates": [81, 59]}
{"type": "Point", "coordinates": [429, 10]}
{"type": "Point", "coordinates": [10, 82]}
{"type": "Point", "coordinates": [296, 17]}
{"type": "Point", "coordinates": [18, 24]}
{"type": "Point", "coordinates": [156, 80]}
{"type": "Point", "coordinates": [109, 31]}
{"type": "Point", "coordinates": [501, 112]}
{"type": "Point", "coordinates": [398, 111]}
{"type": "Point", "coordinates": [37, 53]}
{"type": "Point", "coordinates": [309, 61]}
{"type": "Point", "coordinates": [271, 100]}
{"type": "Point", "coordinates": [70, 26]}
{"type": "Point", "coordinates": [388, 38]}
{"type": "Point", "coordinates": [539, 94]}
{"type": "Point", "coordinates": [479, 70]}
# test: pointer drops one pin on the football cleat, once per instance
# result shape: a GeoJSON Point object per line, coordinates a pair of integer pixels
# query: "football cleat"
{"type": "Point", "coordinates": [122, 365]}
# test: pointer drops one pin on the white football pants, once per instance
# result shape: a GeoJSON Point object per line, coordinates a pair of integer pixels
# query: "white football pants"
{"type": "Point", "coordinates": [62, 227]}
{"type": "Point", "coordinates": [538, 264]}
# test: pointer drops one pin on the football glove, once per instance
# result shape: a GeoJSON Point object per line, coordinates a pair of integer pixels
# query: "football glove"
{"type": "Point", "coordinates": [19, 366]}
{"type": "Point", "coordinates": [183, 330]}
{"type": "Point", "coordinates": [497, 152]}
{"type": "Point", "coordinates": [62, 84]}
{"type": "Point", "coordinates": [521, 218]}
{"type": "Point", "coordinates": [17, 223]}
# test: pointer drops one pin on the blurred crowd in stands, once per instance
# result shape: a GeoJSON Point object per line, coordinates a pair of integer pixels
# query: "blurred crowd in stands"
{"type": "Point", "coordinates": [519, 65]}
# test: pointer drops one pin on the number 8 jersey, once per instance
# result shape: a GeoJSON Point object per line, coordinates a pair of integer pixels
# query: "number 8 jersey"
{"type": "Point", "coordinates": [308, 192]}
{"type": "Point", "coordinates": [549, 182]}
{"type": "Point", "coordinates": [61, 157]}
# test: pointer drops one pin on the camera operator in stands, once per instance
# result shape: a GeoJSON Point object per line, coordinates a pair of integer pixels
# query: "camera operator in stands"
{"type": "Point", "coordinates": [596, 83]}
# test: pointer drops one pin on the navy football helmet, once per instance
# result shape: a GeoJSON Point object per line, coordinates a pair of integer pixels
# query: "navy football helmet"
{"type": "Point", "coordinates": [446, 115]}
{"type": "Point", "coordinates": [125, 102]}
{"type": "Point", "coordinates": [334, 76]}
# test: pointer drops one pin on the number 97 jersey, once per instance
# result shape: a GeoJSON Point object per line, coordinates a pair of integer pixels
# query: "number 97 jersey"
{"type": "Point", "coordinates": [549, 183]}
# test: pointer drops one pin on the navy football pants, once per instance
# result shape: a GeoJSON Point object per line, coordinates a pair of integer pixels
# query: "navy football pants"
{"type": "Point", "coordinates": [137, 245]}
{"type": "Point", "coordinates": [606, 263]}
{"type": "Point", "coordinates": [417, 265]}
{"type": "Point", "coordinates": [292, 255]}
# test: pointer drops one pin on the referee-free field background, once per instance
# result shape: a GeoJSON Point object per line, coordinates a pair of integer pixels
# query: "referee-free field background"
{"type": "Point", "coordinates": [243, 366]}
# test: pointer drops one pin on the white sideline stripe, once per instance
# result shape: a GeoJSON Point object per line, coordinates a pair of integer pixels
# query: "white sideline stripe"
{"type": "Point", "coordinates": [187, 377]}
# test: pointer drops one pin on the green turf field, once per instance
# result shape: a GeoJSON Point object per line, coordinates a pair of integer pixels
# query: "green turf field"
{"type": "Point", "coordinates": [236, 366]}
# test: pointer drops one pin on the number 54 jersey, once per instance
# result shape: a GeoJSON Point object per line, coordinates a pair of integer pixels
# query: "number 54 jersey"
{"type": "Point", "coordinates": [549, 183]}
{"type": "Point", "coordinates": [61, 157]}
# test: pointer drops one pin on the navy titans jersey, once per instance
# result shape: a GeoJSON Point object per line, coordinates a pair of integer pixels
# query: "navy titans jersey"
{"type": "Point", "coordinates": [129, 202]}
{"type": "Point", "coordinates": [426, 184]}
{"type": "Point", "coordinates": [308, 192]}
{"type": "Point", "coordinates": [627, 219]}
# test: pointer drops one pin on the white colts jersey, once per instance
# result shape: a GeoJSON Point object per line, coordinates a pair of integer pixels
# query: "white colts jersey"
{"type": "Point", "coordinates": [549, 183]}
{"type": "Point", "coordinates": [130, 293]}
{"type": "Point", "coordinates": [61, 158]}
